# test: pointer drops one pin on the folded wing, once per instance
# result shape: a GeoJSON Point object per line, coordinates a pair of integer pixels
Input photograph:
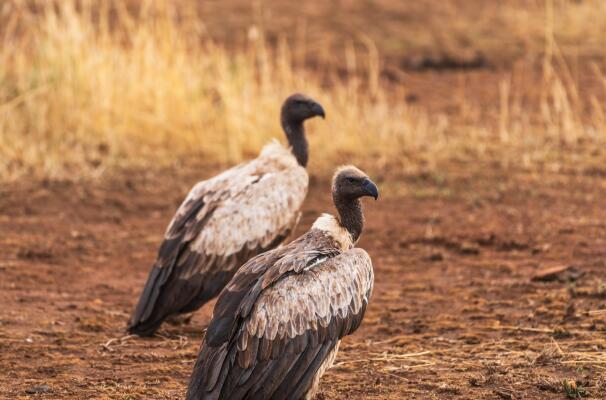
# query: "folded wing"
{"type": "Point", "coordinates": [278, 349]}
{"type": "Point", "coordinates": [222, 223]}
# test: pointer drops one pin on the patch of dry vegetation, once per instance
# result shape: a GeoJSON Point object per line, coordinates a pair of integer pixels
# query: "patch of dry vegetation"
{"type": "Point", "coordinates": [85, 89]}
{"type": "Point", "coordinates": [416, 33]}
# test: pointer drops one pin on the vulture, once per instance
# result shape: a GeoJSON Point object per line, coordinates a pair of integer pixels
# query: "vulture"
{"type": "Point", "coordinates": [277, 325]}
{"type": "Point", "coordinates": [226, 220]}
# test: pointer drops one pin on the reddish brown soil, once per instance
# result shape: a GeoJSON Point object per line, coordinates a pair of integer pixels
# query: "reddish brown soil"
{"type": "Point", "coordinates": [455, 313]}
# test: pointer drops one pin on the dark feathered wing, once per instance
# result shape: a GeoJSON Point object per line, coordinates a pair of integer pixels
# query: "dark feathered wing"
{"type": "Point", "coordinates": [221, 224]}
{"type": "Point", "coordinates": [283, 326]}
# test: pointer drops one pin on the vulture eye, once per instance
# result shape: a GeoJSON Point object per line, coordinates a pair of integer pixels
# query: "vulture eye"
{"type": "Point", "coordinates": [351, 180]}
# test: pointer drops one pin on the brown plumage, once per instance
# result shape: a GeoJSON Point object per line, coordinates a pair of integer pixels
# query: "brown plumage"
{"type": "Point", "coordinates": [277, 325]}
{"type": "Point", "coordinates": [226, 220]}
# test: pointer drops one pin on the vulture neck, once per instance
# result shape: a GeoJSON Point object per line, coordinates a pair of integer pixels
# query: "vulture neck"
{"type": "Point", "coordinates": [350, 215]}
{"type": "Point", "coordinates": [295, 133]}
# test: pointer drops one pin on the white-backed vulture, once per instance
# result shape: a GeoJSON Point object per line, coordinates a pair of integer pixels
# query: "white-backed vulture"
{"type": "Point", "coordinates": [226, 220]}
{"type": "Point", "coordinates": [277, 325]}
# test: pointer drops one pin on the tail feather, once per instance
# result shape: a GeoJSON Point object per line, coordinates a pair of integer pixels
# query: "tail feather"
{"type": "Point", "coordinates": [209, 373]}
{"type": "Point", "coordinates": [145, 321]}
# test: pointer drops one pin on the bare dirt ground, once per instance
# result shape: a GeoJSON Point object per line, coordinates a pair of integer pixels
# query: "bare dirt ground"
{"type": "Point", "coordinates": [457, 311]}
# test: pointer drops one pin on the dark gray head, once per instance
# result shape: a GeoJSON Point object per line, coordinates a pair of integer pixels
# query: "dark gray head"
{"type": "Point", "coordinates": [349, 183]}
{"type": "Point", "coordinates": [299, 107]}
{"type": "Point", "coordinates": [296, 109]}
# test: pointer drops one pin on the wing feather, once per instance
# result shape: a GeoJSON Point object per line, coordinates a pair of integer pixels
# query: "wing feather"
{"type": "Point", "coordinates": [221, 224]}
{"type": "Point", "coordinates": [296, 320]}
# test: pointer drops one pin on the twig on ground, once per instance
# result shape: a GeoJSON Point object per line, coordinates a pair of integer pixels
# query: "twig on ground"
{"type": "Point", "coordinates": [388, 357]}
{"type": "Point", "coordinates": [121, 342]}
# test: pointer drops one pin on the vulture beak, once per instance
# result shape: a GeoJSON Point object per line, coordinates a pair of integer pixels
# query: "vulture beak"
{"type": "Point", "coordinates": [318, 110]}
{"type": "Point", "coordinates": [370, 188]}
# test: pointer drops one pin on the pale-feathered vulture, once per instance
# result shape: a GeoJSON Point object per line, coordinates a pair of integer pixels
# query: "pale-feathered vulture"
{"type": "Point", "coordinates": [226, 220]}
{"type": "Point", "coordinates": [277, 325]}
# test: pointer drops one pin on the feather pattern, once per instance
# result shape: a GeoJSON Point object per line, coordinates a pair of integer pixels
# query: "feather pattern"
{"type": "Point", "coordinates": [278, 323]}
{"type": "Point", "coordinates": [222, 223]}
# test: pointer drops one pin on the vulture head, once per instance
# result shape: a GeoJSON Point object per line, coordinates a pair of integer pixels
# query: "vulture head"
{"type": "Point", "coordinates": [349, 183]}
{"type": "Point", "coordinates": [299, 107]}
{"type": "Point", "coordinates": [296, 109]}
{"type": "Point", "coordinates": [348, 186]}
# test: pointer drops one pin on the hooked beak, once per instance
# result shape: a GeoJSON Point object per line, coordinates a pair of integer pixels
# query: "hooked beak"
{"type": "Point", "coordinates": [318, 110]}
{"type": "Point", "coordinates": [370, 188]}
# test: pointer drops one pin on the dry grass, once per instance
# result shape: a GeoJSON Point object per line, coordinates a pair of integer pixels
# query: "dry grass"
{"type": "Point", "coordinates": [85, 90]}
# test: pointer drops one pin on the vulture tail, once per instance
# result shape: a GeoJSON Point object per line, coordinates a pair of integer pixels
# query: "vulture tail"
{"type": "Point", "coordinates": [145, 321]}
{"type": "Point", "coordinates": [144, 328]}
{"type": "Point", "coordinates": [177, 297]}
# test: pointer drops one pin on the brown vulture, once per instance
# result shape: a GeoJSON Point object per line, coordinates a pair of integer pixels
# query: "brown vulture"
{"type": "Point", "coordinates": [277, 325]}
{"type": "Point", "coordinates": [226, 220]}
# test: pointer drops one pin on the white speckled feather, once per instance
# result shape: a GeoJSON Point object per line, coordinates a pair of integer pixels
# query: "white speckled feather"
{"type": "Point", "coordinates": [336, 287]}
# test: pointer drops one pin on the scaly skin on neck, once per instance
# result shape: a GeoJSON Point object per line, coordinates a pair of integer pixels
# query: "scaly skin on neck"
{"type": "Point", "coordinates": [350, 215]}
{"type": "Point", "coordinates": [295, 133]}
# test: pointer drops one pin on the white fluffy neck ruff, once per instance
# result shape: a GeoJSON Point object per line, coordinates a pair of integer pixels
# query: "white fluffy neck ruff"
{"type": "Point", "coordinates": [330, 224]}
{"type": "Point", "coordinates": [276, 151]}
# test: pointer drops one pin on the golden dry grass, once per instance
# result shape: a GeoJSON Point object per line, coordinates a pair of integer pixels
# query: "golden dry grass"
{"type": "Point", "coordinates": [87, 89]}
{"type": "Point", "coordinates": [502, 32]}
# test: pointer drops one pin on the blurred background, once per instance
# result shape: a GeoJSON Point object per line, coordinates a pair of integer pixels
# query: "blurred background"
{"type": "Point", "coordinates": [91, 87]}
